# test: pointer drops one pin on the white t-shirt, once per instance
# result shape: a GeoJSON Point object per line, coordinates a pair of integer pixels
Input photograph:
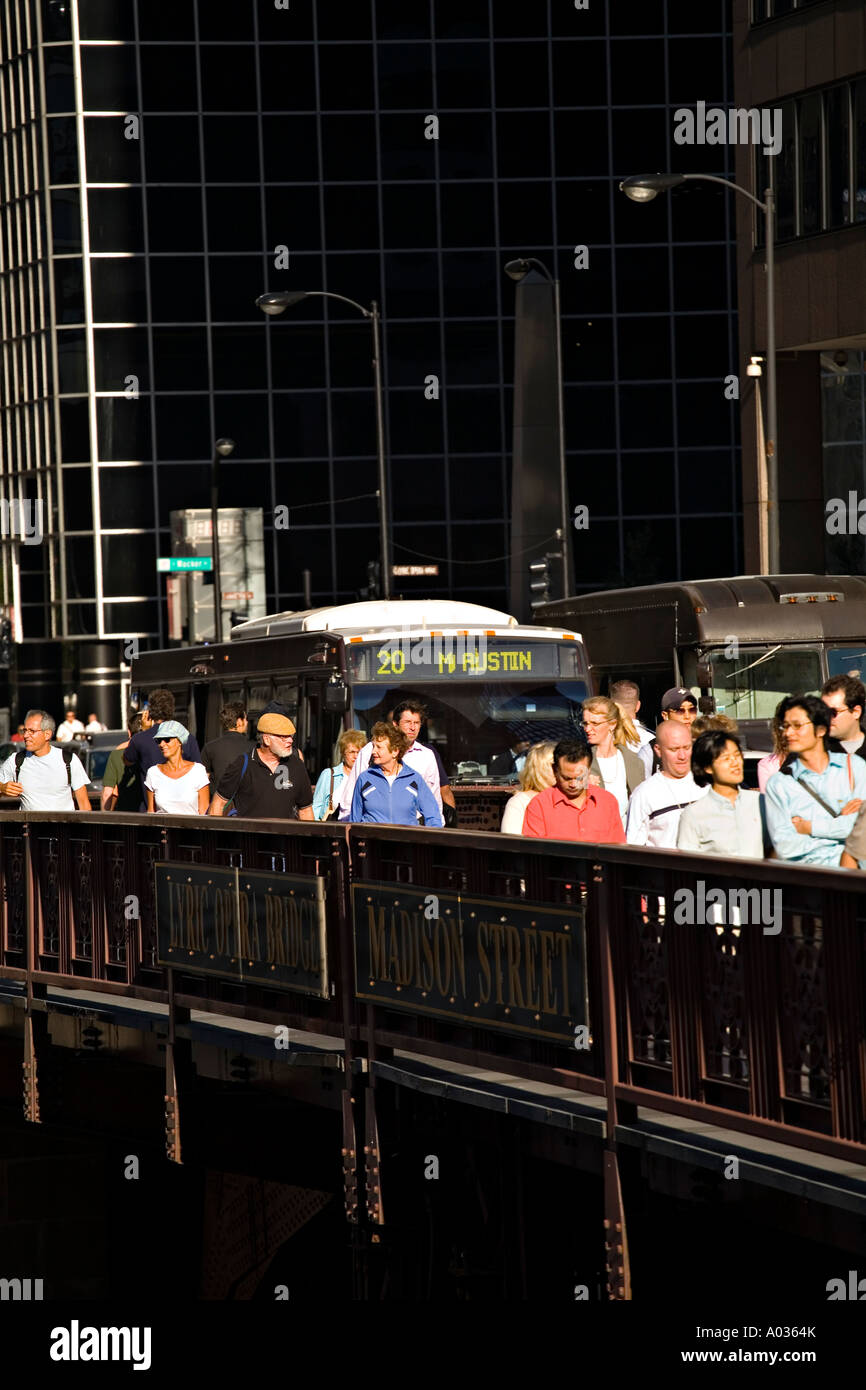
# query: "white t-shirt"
{"type": "Point", "coordinates": [65, 731]}
{"type": "Point", "coordinates": [515, 810]}
{"type": "Point", "coordinates": [44, 780]}
{"type": "Point", "coordinates": [645, 825]}
{"type": "Point", "coordinates": [177, 796]}
{"type": "Point", "coordinates": [613, 776]}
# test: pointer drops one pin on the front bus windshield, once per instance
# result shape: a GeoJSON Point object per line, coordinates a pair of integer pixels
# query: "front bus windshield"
{"type": "Point", "coordinates": [468, 722]}
{"type": "Point", "coordinates": [750, 685]}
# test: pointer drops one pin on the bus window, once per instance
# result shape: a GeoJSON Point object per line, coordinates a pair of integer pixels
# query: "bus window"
{"type": "Point", "coordinates": [751, 685]}
{"type": "Point", "coordinates": [846, 661]}
{"type": "Point", "coordinates": [468, 724]}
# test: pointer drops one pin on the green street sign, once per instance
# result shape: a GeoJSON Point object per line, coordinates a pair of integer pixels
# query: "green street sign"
{"type": "Point", "coordinates": [174, 563]}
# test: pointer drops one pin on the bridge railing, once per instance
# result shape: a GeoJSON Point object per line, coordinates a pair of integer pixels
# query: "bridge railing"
{"type": "Point", "coordinates": [728, 991]}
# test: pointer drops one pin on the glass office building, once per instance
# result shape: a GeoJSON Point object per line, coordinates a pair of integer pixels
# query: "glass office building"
{"type": "Point", "coordinates": [166, 161]}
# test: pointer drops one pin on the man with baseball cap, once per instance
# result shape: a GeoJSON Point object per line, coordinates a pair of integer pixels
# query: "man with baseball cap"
{"type": "Point", "coordinates": [680, 705]}
{"type": "Point", "coordinates": [270, 782]}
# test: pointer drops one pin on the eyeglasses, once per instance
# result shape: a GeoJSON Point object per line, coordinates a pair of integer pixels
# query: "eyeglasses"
{"type": "Point", "coordinates": [284, 738]}
{"type": "Point", "coordinates": [595, 723]}
{"type": "Point", "coordinates": [786, 728]}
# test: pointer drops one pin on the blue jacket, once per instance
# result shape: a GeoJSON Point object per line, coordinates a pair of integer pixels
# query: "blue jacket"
{"type": "Point", "coordinates": [396, 803]}
{"type": "Point", "coordinates": [786, 797]}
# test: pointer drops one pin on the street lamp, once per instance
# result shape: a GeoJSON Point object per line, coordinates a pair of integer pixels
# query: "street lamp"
{"type": "Point", "coordinates": [517, 270]}
{"type": "Point", "coordinates": [274, 303]}
{"type": "Point", "coordinates": [642, 188]}
{"type": "Point", "coordinates": [223, 449]}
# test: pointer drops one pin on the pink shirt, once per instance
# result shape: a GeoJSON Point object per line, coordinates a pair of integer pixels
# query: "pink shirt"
{"type": "Point", "coordinates": [552, 816]}
{"type": "Point", "coordinates": [766, 767]}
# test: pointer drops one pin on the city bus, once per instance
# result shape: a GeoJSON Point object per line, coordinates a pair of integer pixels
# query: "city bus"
{"type": "Point", "coordinates": [740, 644]}
{"type": "Point", "coordinates": [486, 683]}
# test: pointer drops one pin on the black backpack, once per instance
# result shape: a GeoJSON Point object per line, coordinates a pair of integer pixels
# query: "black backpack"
{"type": "Point", "coordinates": [68, 755]}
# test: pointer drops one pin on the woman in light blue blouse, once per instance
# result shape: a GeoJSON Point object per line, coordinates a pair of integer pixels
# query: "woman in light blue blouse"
{"type": "Point", "coordinates": [327, 792]}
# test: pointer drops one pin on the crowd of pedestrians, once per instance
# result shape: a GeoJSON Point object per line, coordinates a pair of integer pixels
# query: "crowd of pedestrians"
{"type": "Point", "coordinates": [616, 783]}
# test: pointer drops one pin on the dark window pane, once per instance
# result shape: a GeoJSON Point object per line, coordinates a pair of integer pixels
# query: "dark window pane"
{"type": "Point", "coordinates": [784, 166]}
{"type": "Point", "coordinates": [471, 353]}
{"type": "Point", "coordinates": [183, 432]}
{"type": "Point", "coordinates": [108, 78]}
{"type": "Point", "coordinates": [166, 19]}
{"type": "Point", "coordinates": [469, 155]}
{"type": "Point", "coordinates": [171, 149]}
{"type": "Point", "coordinates": [703, 414]}
{"type": "Point", "coordinates": [71, 361]}
{"type": "Point", "coordinates": [224, 21]}
{"type": "Point", "coordinates": [521, 73]}
{"type": "Point", "coordinates": [118, 290]}
{"type": "Point", "coordinates": [239, 358]}
{"type": "Point", "coordinates": [116, 221]}
{"type": "Point", "coordinates": [394, 20]}
{"type": "Point", "coordinates": [69, 291]}
{"type": "Point", "coordinates": [62, 150]}
{"type": "Point", "coordinates": [231, 149]}
{"type": "Point", "coordinates": [702, 346]}
{"type": "Point", "coordinates": [699, 274]}
{"type": "Point", "coordinates": [174, 219]}
{"type": "Point", "coordinates": [111, 158]}
{"type": "Point", "coordinates": [404, 155]}
{"type": "Point", "coordinates": [644, 348]}
{"type": "Point", "coordinates": [580, 74]}
{"type": "Point", "coordinates": [123, 431]}
{"type": "Point", "coordinates": [695, 496]}
{"type": "Point", "coordinates": [235, 285]}
{"type": "Point", "coordinates": [234, 220]}
{"type": "Point", "coordinates": [297, 355]}
{"type": "Point", "coordinates": [349, 147]}
{"type": "Point", "coordinates": [354, 422]}
{"type": "Point", "coordinates": [56, 21]}
{"type": "Point", "coordinates": [345, 78]}
{"type": "Point", "coordinates": [412, 285]}
{"type": "Point", "coordinates": [642, 281]}
{"type": "Point", "coordinates": [648, 484]}
{"type": "Point", "coordinates": [810, 165]}
{"type": "Point", "coordinates": [406, 82]}
{"type": "Point", "coordinates": [587, 350]}
{"type": "Point", "coordinates": [462, 75]}
{"type": "Point", "coordinates": [77, 503]}
{"type": "Point", "coordinates": [470, 280]}
{"type": "Point", "coordinates": [126, 499]}
{"type": "Point", "coordinates": [126, 560]}
{"type": "Point", "coordinates": [288, 77]}
{"type": "Point", "coordinates": [646, 417]}
{"type": "Point", "coordinates": [409, 214]}
{"type": "Point", "coordinates": [292, 25]}
{"type": "Point", "coordinates": [132, 617]}
{"type": "Point", "coordinates": [290, 151]}
{"type": "Point", "coordinates": [74, 432]}
{"type": "Point", "coordinates": [59, 80]}
{"type": "Point", "coordinates": [523, 144]}
{"type": "Point", "coordinates": [413, 352]}
{"type": "Point", "coordinates": [228, 77]}
{"type": "Point", "coordinates": [80, 569]}
{"type": "Point", "coordinates": [417, 494]}
{"type": "Point", "coordinates": [118, 353]}
{"type": "Point", "coordinates": [105, 19]}
{"type": "Point", "coordinates": [180, 359]}
{"type": "Point", "coordinates": [358, 229]}
{"type": "Point", "coordinates": [860, 150]}
{"type": "Point", "coordinates": [177, 289]}
{"type": "Point", "coordinates": [168, 79]}
{"type": "Point", "coordinates": [474, 424]}
{"type": "Point", "coordinates": [245, 420]}
{"type": "Point", "coordinates": [300, 424]}
{"type": "Point", "coordinates": [66, 220]}
{"type": "Point", "coordinates": [836, 157]}
{"type": "Point", "coordinates": [292, 219]}
{"type": "Point", "coordinates": [525, 217]}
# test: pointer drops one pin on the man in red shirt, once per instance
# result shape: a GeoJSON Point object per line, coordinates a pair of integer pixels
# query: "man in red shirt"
{"type": "Point", "coordinates": [573, 810]}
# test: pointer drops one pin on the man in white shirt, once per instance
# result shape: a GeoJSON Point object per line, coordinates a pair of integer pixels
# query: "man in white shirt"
{"type": "Point", "coordinates": [419, 756]}
{"type": "Point", "coordinates": [627, 695]}
{"type": "Point", "coordinates": [44, 782]}
{"type": "Point", "coordinates": [69, 728]}
{"type": "Point", "coordinates": [94, 726]}
{"type": "Point", "coordinates": [656, 805]}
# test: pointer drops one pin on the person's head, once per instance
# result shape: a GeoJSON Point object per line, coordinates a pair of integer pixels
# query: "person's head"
{"type": "Point", "coordinates": [170, 736]}
{"type": "Point", "coordinates": [350, 744]}
{"type": "Point", "coordinates": [134, 722]}
{"type": "Point", "coordinates": [804, 723]}
{"type": "Point", "coordinates": [537, 772]}
{"type": "Point", "coordinates": [627, 695]}
{"type": "Point", "coordinates": [233, 717]}
{"type": "Point", "coordinates": [846, 696]}
{"type": "Point", "coordinates": [571, 760]}
{"type": "Point", "coordinates": [39, 729]}
{"type": "Point", "coordinates": [160, 705]}
{"type": "Point", "coordinates": [679, 705]}
{"type": "Point", "coordinates": [521, 746]}
{"type": "Point", "coordinates": [717, 759]}
{"type": "Point", "coordinates": [70, 716]}
{"type": "Point", "coordinates": [601, 718]}
{"type": "Point", "coordinates": [93, 718]}
{"type": "Point", "coordinates": [276, 734]}
{"type": "Point", "coordinates": [674, 746]}
{"type": "Point", "coordinates": [389, 743]}
{"type": "Point", "coordinates": [705, 723]}
{"type": "Point", "coordinates": [409, 715]}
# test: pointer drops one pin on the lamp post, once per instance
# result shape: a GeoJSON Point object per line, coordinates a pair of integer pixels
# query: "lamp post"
{"type": "Point", "coordinates": [275, 303]}
{"type": "Point", "coordinates": [517, 270]}
{"type": "Point", "coordinates": [642, 188]}
{"type": "Point", "coordinates": [223, 449]}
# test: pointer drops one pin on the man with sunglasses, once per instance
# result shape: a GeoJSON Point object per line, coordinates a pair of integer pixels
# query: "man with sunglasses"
{"type": "Point", "coordinates": [846, 697]}
{"type": "Point", "coordinates": [812, 802]}
{"type": "Point", "coordinates": [270, 782]}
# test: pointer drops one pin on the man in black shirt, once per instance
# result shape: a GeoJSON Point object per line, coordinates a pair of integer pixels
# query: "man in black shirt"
{"type": "Point", "coordinates": [846, 697]}
{"type": "Point", "coordinates": [272, 783]}
{"type": "Point", "coordinates": [233, 742]}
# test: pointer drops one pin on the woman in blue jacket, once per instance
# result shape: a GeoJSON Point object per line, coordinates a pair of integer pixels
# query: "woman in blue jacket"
{"type": "Point", "coordinates": [389, 792]}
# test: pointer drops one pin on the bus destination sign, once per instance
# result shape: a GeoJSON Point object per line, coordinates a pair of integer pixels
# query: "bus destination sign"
{"type": "Point", "coordinates": [460, 658]}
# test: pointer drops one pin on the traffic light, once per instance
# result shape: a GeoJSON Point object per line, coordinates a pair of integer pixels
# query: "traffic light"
{"type": "Point", "coordinates": [540, 585]}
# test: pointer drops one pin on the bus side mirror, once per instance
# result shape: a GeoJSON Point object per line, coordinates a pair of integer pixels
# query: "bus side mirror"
{"type": "Point", "coordinates": [336, 697]}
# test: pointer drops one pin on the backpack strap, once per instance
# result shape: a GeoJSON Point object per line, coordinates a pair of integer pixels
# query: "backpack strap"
{"type": "Point", "coordinates": [19, 762]}
{"type": "Point", "coordinates": [68, 755]}
{"type": "Point", "coordinates": [233, 811]}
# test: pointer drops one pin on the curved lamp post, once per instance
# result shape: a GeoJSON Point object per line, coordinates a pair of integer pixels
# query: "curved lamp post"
{"type": "Point", "coordinates": [517, 270]}
{"type": "Point", "coordinates": [642, 188]}
{"type": "Point", "coordinates": [223, 449]}
{"type": "Point", "coordinates": [275, 303]}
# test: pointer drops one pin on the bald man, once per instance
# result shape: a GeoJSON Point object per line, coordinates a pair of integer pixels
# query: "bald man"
{"type": "Point", "coordinates": [656, 805]}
